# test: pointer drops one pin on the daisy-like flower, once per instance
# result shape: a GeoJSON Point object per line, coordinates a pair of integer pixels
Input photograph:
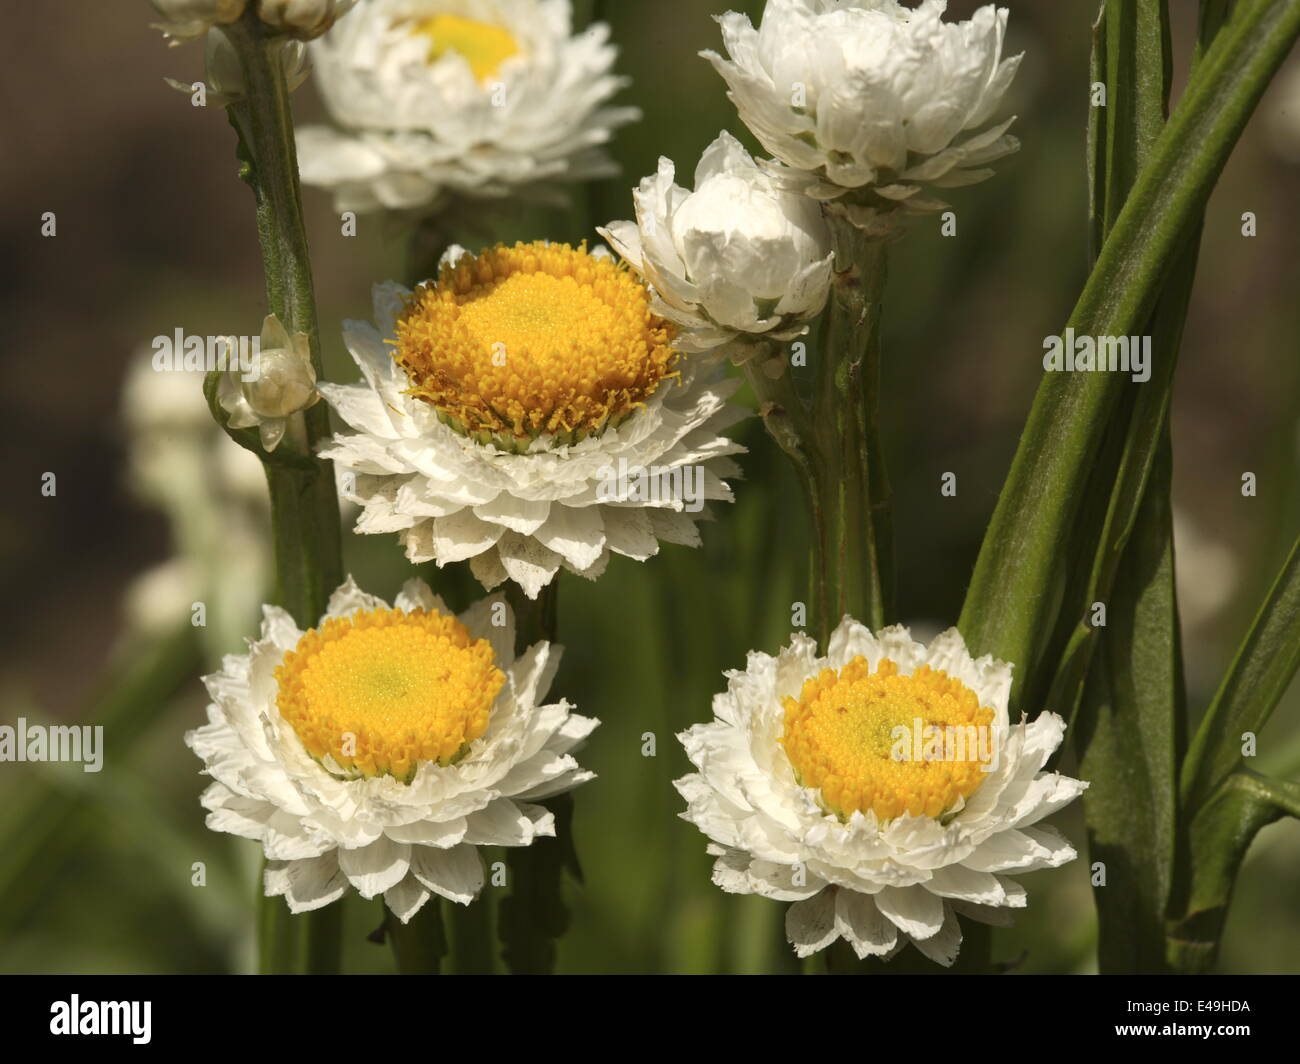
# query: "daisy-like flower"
{"type": "Point", "coordinates": [187, 20]}
{"type": "Point", "coordinates": [481, 99]}
{"type": "Point", "coordinates": [526, 411]}
{"type": "Point", "coordinates": [737, 258]}
{"type": "Point", "coordinates": [870, 104]}
{"type": "Point", "coordinates": [379, 749]}
{"type": "Point", "coordinates": [281, 384]}
{"type": "Point", "coordinates": [880, 789]}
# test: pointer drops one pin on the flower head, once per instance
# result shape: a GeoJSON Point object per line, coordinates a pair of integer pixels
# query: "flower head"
{"type": "Point", "coordinates": [432, 98]}
{"type": "Point", "coordinates": [303, 19]}
{"type": "Point", "coordinates": [282, 383]}
{"type": "Point", "coordinates": [526, 411]}
{"type": "Point", "coordinates": [880, 788]}
{"type": "Point", "coordinates": [380, 749]}
{"type": "Point", "coordinates": [870, 104]}
{"type": "Point", "coordinates": [187, 20]}
{"type": "Point", "coordinates": [738, 257]}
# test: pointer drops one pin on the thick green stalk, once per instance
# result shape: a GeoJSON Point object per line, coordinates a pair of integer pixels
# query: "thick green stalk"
{"type": "Point", "coordinates": [304, 504]}
{"type": "Point", "coordinates": [1018, 581]}
{"type": "Point", "coordinates": [849, 471]}
{"type": "Point", "coordinates": [420, 945]}
{"type": "Point", "coordinates": [531, 919]}
{"type": "Point", "coordinates": [834, 442]}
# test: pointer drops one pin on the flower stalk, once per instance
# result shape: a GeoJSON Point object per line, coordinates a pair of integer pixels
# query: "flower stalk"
{"type": "Point", "coordinates": [834, 442]}
{"type": "Point", "coordinates": [304, 503]}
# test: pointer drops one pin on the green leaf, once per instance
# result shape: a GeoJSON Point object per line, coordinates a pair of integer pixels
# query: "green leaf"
{"type": "Point", "coordinates": [1221, 833]}
{"type": "Point", "coordinates": [1019, 578]}
{"type": "Point", "coordinates": [1127, 735]}
{"type": "Point", "coordinates": [1264, 666]}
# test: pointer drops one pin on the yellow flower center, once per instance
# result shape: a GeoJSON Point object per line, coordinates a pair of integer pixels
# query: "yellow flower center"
{"type": "Point", "coordinates": [484, 46]}
{"type": "Point", "coordinates": [382, 690]}
{"type": "Point", "coordinates": [896, 744]}
{"type": "Point", "coordinates": [533, 339]}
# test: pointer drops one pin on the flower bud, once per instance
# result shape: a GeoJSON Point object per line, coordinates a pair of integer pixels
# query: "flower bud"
{"type": "Point", "coordinates": [187, 20]}
{"type": "Point", "coordinates": [737, 258]}
{"type": "Point", "coordinates": [279, 383]}
{"type": "Point", "coordinates": [303, 19]}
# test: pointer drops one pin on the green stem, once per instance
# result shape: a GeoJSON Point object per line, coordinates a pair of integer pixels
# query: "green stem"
{"type": "Point", "coordinates": [846, 415]}
{"type": "Point", "coordinates": [420, 945]}
{"type": "Point", "coordinates": [534, 916]}
{"type": "Point", "coordinates": [835, 444]}
{"type": "Point", "coordinates": [304, 504]}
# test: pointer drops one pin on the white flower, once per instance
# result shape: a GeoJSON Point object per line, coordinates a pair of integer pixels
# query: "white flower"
{"type": "Point", "coordinates": [379, 750]}
{"type": "Point", "coordinates": [869, 103]}
{"type": "Point", "coordinates": [513, 462]}
{"type": "Point", "coordinates": [280, 384]}
{"type": "Point", "coordinates": [304, 19]}
{"type": "Point", "coordinates": [738, 257]}
{"type": "Point", "coordinates": [187, 20]}
{"type": "Point", "coordinates": [438, 97]}
{"type": "Point", "coordinates": [213, 494]}
{"type": "Point", "coordinates": [805, 798]}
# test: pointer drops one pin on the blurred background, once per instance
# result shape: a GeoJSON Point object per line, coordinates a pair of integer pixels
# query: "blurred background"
{"type": "Point", "coordinates": [153, 511]}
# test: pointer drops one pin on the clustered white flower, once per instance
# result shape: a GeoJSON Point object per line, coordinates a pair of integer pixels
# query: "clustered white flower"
{"type": "Point", "coordinates": [187, 20]}
{"type": "Point", "coordinates": [414, 123]}
{"type": "Point", "coordinates": [876, 884]}
{"type": "Point", "coordinates": [738, 258]}
{"type": "Point", "coordinates": [869, 104]}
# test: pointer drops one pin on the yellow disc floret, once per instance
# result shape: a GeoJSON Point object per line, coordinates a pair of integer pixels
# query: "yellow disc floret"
{"type": "Point", "coordinates": [484, 46]}
{"type": "Point", "coordinates": [535, 339]}
{"type": "Point", "coordinates": [894, 744]}
{"type": "Point", "coordinates": [381, 691]}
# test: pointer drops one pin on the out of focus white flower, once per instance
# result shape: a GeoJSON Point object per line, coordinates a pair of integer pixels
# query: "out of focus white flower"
{"type": "Point", "coordinates": [1284, 113]}
{"type": "Point", "coordinates": [187, 20]}
{"type": "Point", "coordinates": [282, 384]}
{"type": "Point", "coordinates": [870, 104]}
{"type": "Point", "coordinates": [438, 97]}
{"type": "Point", "coordinates": [225, 76]}
{"type": "Point", "coordinates": [739, 257]}
{"type": "Point", "coordinates": [1207, 572]}
{"type": "Point", "coordinates": [213, 493]}
{"type": "Point", "coordinates": [303, 19]}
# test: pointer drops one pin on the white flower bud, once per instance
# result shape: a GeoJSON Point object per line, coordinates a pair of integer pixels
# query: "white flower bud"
{"type": "Point", "coordinates": [190, 19]}
{"type": "Point", "coordinates": [737, 258]}
{"type": "Point", "coordinates": [303, 19]}
{"type": "Point", "coordinates": [869, 104]}
{"type": "Point", "coordinates": [280, 383]}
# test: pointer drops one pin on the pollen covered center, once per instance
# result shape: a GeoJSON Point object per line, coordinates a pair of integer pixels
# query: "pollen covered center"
{"type": "Point", "coordinates": [380, 691]}
{"type": "Point", "coordinates": [531, 340]}
{"type": "Point", "coordinates": [484, 46]}
{"type": "Point", "coordinates": [890, 743]}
